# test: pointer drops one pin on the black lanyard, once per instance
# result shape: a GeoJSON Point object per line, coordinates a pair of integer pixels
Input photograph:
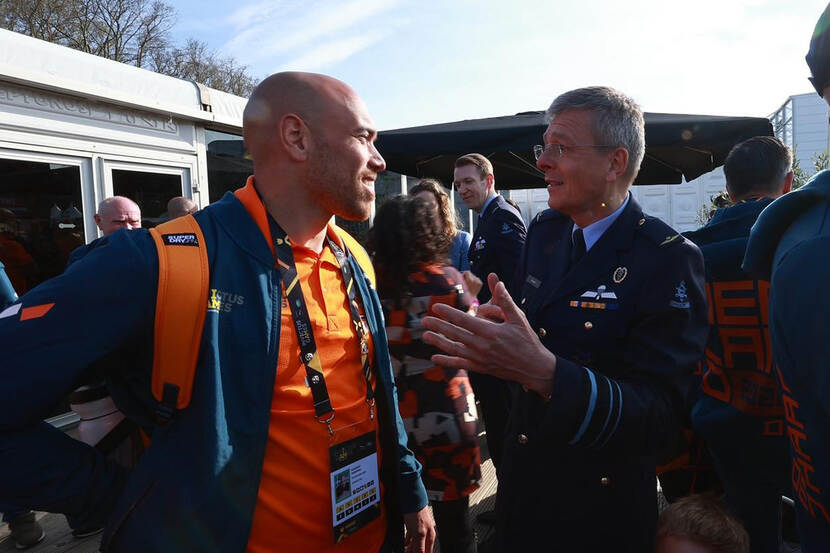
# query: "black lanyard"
{"type": "Point", "coordinates": [323, 410]}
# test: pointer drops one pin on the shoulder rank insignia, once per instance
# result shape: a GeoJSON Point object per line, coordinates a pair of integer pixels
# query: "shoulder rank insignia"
{"type": "Point", "coordinates": [681, 299]}
{"type": "Point", "coordinates": [670, 239]}
{"type": "Point", "coordinates": [505, 228]}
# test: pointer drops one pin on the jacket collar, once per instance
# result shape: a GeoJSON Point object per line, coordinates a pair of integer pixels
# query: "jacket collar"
{"type": "Point", "coordinates": [597, 261]}
{"type": "Point", "coordinates": [251, 201]}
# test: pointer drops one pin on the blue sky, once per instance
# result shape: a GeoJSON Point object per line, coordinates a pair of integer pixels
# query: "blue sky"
{"type": "Point", "coordinates": [421, 62]}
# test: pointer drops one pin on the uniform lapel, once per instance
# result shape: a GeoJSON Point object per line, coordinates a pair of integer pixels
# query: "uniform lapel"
{"type": "Point", "coordinates": [599, 261]}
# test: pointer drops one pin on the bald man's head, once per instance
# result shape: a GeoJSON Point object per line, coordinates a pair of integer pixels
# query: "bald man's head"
{"type": "Point", "coordinates": [313, 133]}
{"type": "Point", "coordinates": [181, 206]}
{"type": "Point", "coordinates": [310, 97]}
{"type": "Point", "coordinates": [116, 213]}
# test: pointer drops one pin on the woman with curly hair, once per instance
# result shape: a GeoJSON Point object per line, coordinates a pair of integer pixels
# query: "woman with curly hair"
{"type": "Point", "coordinates": [433, 192]}
{"type": "Point", "coordinates": [409, 248]}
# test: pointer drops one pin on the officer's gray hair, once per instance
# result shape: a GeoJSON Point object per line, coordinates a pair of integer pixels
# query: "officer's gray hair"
{"type": "Point", "coordinates": [617, 120]}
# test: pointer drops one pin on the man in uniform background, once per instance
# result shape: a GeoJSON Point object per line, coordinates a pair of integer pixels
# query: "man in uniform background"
{"type": "Point", "coordinates": [610, 322]}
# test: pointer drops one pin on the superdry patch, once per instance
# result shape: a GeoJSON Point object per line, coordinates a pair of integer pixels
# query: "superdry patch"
{"type": "Point", "coordinates": [184, 239]}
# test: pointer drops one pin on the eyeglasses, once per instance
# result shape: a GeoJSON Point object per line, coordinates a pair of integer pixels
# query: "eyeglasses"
{"type": "Point", "coordinates": [558, 150]}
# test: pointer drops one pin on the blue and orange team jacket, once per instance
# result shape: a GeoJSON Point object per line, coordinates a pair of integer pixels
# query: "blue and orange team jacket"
{"type": "Point", "coordinates": [196, 486]}
{"type": "Point", "coordinates": [788, 247]}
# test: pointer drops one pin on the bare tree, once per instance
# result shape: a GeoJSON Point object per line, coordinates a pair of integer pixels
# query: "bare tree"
{"type": "Point", "coordinates": [196, 62]}
{"type": "Point", "coordinates": [136, 32]}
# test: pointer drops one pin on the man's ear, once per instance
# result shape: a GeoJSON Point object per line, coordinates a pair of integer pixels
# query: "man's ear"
{"type": "Point", "coordinates": [294, 137]}
{"type": "Point", "coordinates": [617, 164]}
{"type": "Point", "coordinates": [491, 180]}
{"type": "Point", "coordinates": [98, 221]}
{"type": "Point", "coordinates": [788, 182]}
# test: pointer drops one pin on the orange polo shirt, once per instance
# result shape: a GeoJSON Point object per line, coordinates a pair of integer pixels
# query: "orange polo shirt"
{"type": "Point", "coordinates": [293, 511]}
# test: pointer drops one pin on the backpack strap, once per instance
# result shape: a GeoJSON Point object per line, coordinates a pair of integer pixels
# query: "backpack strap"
{"type": "Point", "coordinates": [184, 279]}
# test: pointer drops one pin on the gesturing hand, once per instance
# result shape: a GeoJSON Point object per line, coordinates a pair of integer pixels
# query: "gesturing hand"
{"type": "Point", "coordinates": [499, 341]}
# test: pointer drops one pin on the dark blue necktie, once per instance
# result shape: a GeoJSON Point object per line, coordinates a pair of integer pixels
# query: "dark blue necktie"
{"type": "Point", "coordinates": [577, 246]}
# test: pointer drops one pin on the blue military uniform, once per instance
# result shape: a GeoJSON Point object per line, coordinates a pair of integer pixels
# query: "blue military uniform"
{"type": "Point", "coordinates": [497, 243]}
{"type": "Point", "coordinates": [788, 246]}
{"type": "Point", "coordinates": [739, 411]}
{"type": "Point", "coordinates": [496, 246]}
{"type": "Point", "coordinates": [627, 323]}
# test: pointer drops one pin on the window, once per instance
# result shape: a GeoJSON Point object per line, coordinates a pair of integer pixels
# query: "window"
{"type": "Point", "coordinates": [151, 191]}
{"type": "Point", "coordinates": [229, 165]}
{"type": "Point", "coordinates": [41, 219]}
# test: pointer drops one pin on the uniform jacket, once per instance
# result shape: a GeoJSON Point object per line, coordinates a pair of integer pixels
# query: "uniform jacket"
{"type": "Point", "coordinates": [627, 323]}
{"type": "Point", "coordinates": [497, 243]}
{"type": "Point", "coordinates": [195, 488]}
{"type": "Point", "coordinates": [789, 247]}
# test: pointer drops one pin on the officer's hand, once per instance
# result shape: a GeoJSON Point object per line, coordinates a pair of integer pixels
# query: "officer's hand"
{"type": "Point", "coordinates": [508, 349]}
{"type": "Point", "coordinates": [420, 531]}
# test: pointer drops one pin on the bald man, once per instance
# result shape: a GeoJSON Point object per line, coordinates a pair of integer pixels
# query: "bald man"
{"type": "Point", "coordinates": [117, 213]}
{"type": "Point", "coordinates": [292, 441]}
{"type": "Point", "coordinates": [180, 206]}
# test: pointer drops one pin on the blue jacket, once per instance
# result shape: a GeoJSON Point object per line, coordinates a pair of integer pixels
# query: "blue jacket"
{"type": "Point", "coordinates": [195, 488]}
{"type": "Point", "coordinates": [789, 246]}
{"type": "Point", "coordinates": [739, 402]}
{"type": "Point", "coordinates": [496, 243]}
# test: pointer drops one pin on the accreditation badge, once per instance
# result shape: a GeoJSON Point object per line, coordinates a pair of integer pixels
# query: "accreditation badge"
{"type": "Point", "coordinates": [355, 486]}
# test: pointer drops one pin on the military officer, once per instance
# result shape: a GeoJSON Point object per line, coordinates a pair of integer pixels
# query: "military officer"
{"type": "Point", "coordinates": [610, 321]}
{"type": "Point", "coordinates": [500, 233]}
{"type": "Point", "coordinates": [495, 248]}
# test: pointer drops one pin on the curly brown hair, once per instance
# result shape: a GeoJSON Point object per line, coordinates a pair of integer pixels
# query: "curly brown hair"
{"type": "Point", "coordinates": [445, 211]}
{"type": "Point", "coordinates": [406, 236]}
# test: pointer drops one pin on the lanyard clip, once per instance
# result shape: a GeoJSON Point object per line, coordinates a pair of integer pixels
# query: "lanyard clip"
{"type": "Point", "coordinates": [371, 403]}
{"type": "Point", "coordinates": [327, 421]}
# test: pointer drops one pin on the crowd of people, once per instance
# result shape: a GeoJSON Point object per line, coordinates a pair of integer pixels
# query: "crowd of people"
{"type": "Point", "coordinates": [332, 394]}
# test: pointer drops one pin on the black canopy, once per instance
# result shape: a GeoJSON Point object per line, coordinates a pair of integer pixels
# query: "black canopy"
{"type": "Point", "coordinates": [676, 146]}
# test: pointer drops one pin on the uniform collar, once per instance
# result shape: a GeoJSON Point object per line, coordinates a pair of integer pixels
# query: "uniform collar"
{"type": "Point", "coordinates": [487, 204]}
{"type": "Point", "coordinates": [593, 232]}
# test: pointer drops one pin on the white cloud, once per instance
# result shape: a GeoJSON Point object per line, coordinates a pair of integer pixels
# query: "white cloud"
{"type": "Point", "coordinates": [274, 28]}
{"type": "Point", "coordinates": [331, 52]}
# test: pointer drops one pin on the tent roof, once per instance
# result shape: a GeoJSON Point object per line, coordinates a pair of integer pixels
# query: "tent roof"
{"type": "Point", "coordinates": [677, 146]}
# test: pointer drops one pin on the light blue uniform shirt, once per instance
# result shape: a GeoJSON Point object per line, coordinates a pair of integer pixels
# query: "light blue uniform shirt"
{"type": "Point", "coordinates": [593, 232]}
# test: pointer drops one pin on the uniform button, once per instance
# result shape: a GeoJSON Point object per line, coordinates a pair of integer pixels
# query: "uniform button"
{"type": "Point", "coordinates": [524, 300]}
{"type": "Point", "coordinates": [522, 439]}
{"type": "Point", "coordinates": [543, 332]}
{"type": "Point", "coordinates": [605, 481]}
{"type": "Point", "coordinates": [641, 222]}
{"type": "Point", "coordinates": [589, 325]}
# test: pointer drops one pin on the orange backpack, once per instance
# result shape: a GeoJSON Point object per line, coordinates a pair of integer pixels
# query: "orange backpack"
{"type": "Point", "coordinates": [181, 306]}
